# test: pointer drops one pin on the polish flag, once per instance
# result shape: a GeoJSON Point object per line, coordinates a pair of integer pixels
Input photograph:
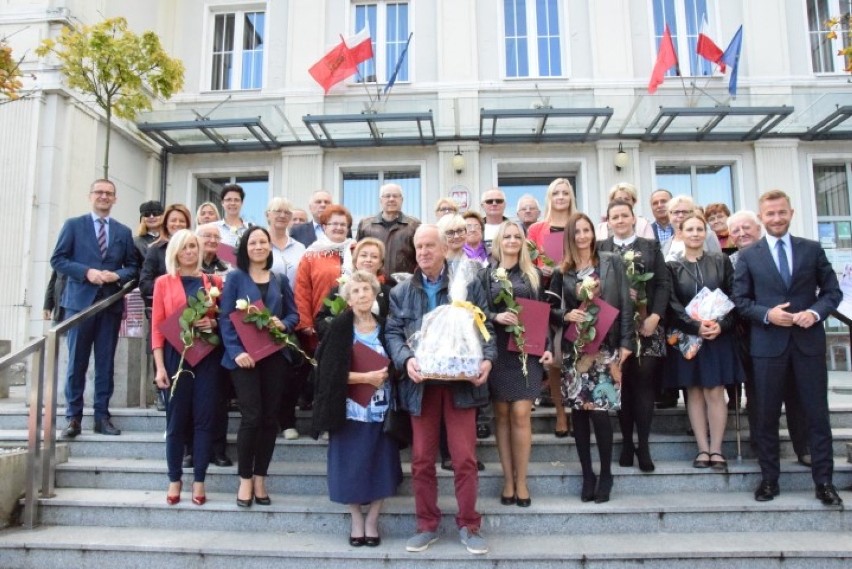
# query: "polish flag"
{"type": "Point", "coordinates": [360, 46]}
{"type": "Point", "coordinates": [707, 48]}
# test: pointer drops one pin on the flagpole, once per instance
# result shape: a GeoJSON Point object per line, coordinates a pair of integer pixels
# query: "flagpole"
{"type": "Point", "coordinates": [392, 81]}
{"type": "Point", "coordinates": [359, 76]}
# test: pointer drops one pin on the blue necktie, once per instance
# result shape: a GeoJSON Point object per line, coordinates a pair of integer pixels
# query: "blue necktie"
{"type": "Point", "coordinates": [102, 238]}
{"type": "Point", "coordinates": [783, 265]}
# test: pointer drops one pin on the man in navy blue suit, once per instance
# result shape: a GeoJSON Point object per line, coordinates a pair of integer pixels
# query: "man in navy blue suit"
{"type": "Point", "coordinates": [786, 287]}
{"type": "Point", "coordinates": [307, 233]}
{"type": "Point", "coordinates": [97, 255]}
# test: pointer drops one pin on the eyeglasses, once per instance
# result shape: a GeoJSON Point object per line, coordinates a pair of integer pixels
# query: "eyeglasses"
{"type": "Point", "coordinates": [388, 196]}
{"type": "Point", "coordinates": [280, 212]}
{"type": "Point", "coordinates": [445, 210]}
{"type": "Point", "coordinates": [344, 225]}
{"type": "Point", "coordinates": [455, 232]}
{"type": "Point", "coordinates": [213, 236]}
{"type": "Point", "coordinates": [232, 200]}
{"type": "Point", "coordinates": [473, 228]}
{"type": "Point", "coordinates": [102, 193]}
{"type": "Point", "coordinates": [529, 208]}
{"type": "Point", "coordinates": [496, 201]}
{"type": "Point", "coordinates": [680, 212]}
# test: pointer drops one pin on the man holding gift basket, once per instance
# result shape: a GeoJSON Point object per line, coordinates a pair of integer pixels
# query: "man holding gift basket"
{"type": "Point", "coordinates": [438, 335]}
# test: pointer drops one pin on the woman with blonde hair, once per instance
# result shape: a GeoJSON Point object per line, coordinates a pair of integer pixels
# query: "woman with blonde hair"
{"type": "Point", "coordinates": [626, 192]}
{"type": "Point", "coordinates": [513, 385]}
{"type": "Point", "coordinates": [206, 213]}
{"type": "Point", "coordinates": [559, 205]}
{"type": "Point", "coordinates": [445, 206]}
{"type": "Point", "coordinates": [679, 208]}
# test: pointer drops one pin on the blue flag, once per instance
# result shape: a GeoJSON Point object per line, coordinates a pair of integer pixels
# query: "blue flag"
{"type": "Point", "coordinates": [732, 57]}
{"type": "Point", "coordinates": [396, 68]}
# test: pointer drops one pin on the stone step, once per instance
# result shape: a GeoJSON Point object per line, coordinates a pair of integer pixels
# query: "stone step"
{"type": "Point", "coordinates": [651, 514]}
{"type": "Point", "coordinates": [545, 447]}
{"type": "Point", "coordinates": [543, 419]}
{"type": "Point", "coordinates": [143, 548]}
{"type": "Point", "coordinates": [562, 478]}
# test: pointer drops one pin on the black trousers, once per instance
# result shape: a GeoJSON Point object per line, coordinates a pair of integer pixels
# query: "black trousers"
{"type": "Point", "coordinates": [259, 394]}
{"type": "Point", "coordinates": [809, 378]}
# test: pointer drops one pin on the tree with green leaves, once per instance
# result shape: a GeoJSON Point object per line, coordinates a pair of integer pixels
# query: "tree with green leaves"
{"type": "Point", "coordinates": [117, 67]}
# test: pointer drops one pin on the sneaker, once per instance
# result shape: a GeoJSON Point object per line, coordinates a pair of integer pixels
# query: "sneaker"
{"type": "Point", "coordinates": [291, 434]}
{"type": "Point", "coordinates": [473, 541]}
{"type": "Point", "coordinates": [421, 541]}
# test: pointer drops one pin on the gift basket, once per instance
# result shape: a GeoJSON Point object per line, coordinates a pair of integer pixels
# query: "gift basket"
{"type": "Point", "coordinates": [706, 305]}
{"type": "Point", "coordinates": [448, 345]}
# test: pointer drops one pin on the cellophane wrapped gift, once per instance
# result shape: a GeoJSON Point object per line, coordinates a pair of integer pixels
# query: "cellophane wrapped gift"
{"type": "Point", "coordinates": [706, 305]}
{"type": "Point", "coordinates": [448, 345]}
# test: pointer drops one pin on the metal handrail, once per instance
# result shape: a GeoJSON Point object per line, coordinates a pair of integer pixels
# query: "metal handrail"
{"type": "Point", "coordinates": [43, 395]}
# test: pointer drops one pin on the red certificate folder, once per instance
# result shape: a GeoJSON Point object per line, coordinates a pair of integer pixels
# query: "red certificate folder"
{"type": "Point", "coordinates": [606, 317]}
{"type": "Point", "coordinates": [226, 253]}
{"type": "Point", "coordinates": [170, 327]}
{"type": "Point", "coordinates": [257, 343]}
{"type": "Point", "coordinates": [365, 359]}
{"type": "Point", "coordinates": [554, 245]}
{"type": "Point", "coordinates": [535, 316]}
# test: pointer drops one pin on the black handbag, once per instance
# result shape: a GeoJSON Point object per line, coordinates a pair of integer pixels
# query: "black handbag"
{"type": "Point", "coordinates": [397, 423]}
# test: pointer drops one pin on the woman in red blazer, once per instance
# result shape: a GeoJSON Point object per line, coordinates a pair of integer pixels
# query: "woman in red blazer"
{"type": "Point", "coordinates": [193, 400]}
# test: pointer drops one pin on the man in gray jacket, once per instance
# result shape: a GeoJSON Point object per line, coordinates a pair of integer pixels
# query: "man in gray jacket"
{"type": "Point", "coordinates": [429, 401]}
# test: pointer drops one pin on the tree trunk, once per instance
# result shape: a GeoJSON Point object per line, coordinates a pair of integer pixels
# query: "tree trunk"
{"type": "Point", "coordinates": [108, 110]}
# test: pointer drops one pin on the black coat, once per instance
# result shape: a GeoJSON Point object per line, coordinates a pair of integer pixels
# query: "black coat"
{"type": "Point", "coordinates": [659, 287]}
{"type": "Point", "coordinates": [714, 271]}
{"type": "Point", "coordinates": [331, 379]}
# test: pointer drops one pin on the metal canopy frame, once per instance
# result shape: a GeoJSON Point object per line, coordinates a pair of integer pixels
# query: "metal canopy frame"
{"type": "Point", "coordinates": [824, 130]}
{"type": "Point", "coordinates": [263, 138]}
{"type": "Point", "coordinates": [543, 115]}
{"type": "Point", "coordinates": [319, 125]}
{"type": "Point", "coordinates": [771, 117]}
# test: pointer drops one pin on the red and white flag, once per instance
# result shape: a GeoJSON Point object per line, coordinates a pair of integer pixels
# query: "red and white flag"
{"type": "Point", "coordinates": [360, 46]}
{"type": "Point", "coordinates": [666, 59]}
{"type": "Point", "coordinates": [707, 48]}
{"type": "Point", "coordinates": [343, 59]}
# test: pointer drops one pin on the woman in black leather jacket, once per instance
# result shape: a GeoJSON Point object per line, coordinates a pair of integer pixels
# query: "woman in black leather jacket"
{"type": "Point", "coordinates": [706, 373]}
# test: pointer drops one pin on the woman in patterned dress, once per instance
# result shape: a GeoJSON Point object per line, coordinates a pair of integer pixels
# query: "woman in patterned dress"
{"type": "Point", "coordinates": [591, 381]}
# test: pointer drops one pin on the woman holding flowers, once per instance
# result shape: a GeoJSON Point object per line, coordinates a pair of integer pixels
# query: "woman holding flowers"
{"type": "Point", "coordinates": [592, 378]}
{"type": "Point", "coordinates": [706, 372]}
{"type": "Point", "coordinates": [649, 290]}
{"type": "Point", "coordinates": [194, 389]}
{"type": "Point", "coordinates": [559, 205]}
{"type": "Point", "coordinates": [516, 379]}
{"type": "Point", "coordinates": [363, 462]}
{"type": "Point", "coordinates": [258, 384]}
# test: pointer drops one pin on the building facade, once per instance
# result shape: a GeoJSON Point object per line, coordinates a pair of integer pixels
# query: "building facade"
{"type": "Point", "coordinates": [524, 90]}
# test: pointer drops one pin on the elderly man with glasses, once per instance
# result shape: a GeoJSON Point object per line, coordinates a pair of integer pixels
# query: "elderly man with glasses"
{"type": "Point", "coordinates": [394, 229]}
{"type": "Point", "coordinates": [528, 211]}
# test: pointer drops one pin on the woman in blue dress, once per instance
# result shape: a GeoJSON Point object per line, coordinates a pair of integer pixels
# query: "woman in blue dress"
{"type": "Point", "coordinates": [363, 462]}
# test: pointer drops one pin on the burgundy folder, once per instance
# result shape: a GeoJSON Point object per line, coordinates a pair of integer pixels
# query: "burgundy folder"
{"type": "Point", "coordinates": [365, 359]}
{"type": "Point", "coordinates": [226, 253]}
{"type": "Point", "coordinates": [606, 317]}
{"type": "Point", "coordinates": [257, 343]}
{"type": "Point", "coordinates": [170, 327]}
{"type": "Point", "coordinates": [554, 245]}
{"type": "Point", "coordinates": [535, 316]}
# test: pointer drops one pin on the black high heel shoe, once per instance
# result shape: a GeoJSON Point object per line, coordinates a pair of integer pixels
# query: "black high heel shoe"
{"type": "Point", "coordinates": [588, 492]}
{"type": "Point", "coordinates": [244, 503]}
{"type": "Point", "coordinates": [643, 455]}
{"type": "Point", "coordinates": [357, 541]}
{"type": "Point", "coordinates": [604, 488]}
{"type": "Point", "coordinates": [626, 458]}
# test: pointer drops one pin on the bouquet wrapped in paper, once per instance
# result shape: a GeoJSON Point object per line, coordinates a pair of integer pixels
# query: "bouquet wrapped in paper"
{"type": "Point", "coordinates": [448, 345]}
{"type": "Point", "coordinates": [707, 305]}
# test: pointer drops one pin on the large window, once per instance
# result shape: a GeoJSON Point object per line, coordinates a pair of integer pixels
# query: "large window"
{"type": "Point", "coordinates": [389, 29]}
{"type": "Point", "coordinates": [361, 191]}
{"type": "Point", "coordinates": [833, 189]}
{"type": "Point", "coordinates": [237, 51]}
{"type": "Point", "coordinates": [255, 187]}
{"type": "Point", "coordinates": [532, 38]}
{"type": "Point", "coordinates": [824, 51]}
{"type": "Point", "coordinates": [706, 183]}
{"type": "Point", "coordinates": [684, 18]}
{"type": "Point", "coordinates": [517, 185]}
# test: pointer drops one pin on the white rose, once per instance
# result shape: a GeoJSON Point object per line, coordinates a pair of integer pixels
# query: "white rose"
{"type": "Point", "coordinates": [342, 279]}
{"type": "Point", "coordinates": [214, 292]}
{"type": "Point", "coordinates": [589, 283]}
{"type": "Point", "coordinates": [500, 273]}
{"type": "Point", "coordinates": [628, 256]}
{"type": "Point", "coordinates": [242, 304]}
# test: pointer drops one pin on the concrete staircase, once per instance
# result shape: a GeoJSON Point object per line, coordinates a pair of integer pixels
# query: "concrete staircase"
{"type": "Point", "coordinates": [110, 509]}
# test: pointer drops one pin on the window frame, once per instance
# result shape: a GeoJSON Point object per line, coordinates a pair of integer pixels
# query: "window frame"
{"type": "Point", "coordinates": [532, 43]}
{"type": "Point", "coordinates": [681, 41]}
{"type": "Point", "coordinates": [233, 173]}
{"type": "Point", "coordinates": [382, 167]}
{"type": "Point", "coordinates": [838, 61]}
{"type": "Point", "coordinates": [538, 168]}
{"type": "Point", "coordinates": [238, 11]}
{"type": "Point", "coordinates": [380, 44]}
{"type": "Point", "coordinates": [734, 162]}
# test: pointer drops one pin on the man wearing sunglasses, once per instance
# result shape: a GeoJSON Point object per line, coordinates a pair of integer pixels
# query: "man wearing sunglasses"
{"type": "Point", "coordinates": [493, 205]}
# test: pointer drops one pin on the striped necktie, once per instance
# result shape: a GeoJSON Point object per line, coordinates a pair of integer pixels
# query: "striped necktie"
{"type": "Point", "coordinates": [783, 265]}
{"type": "Point", "coordinates": [102, 238]}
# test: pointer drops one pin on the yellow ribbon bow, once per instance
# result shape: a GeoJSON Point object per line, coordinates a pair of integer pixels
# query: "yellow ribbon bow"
{"type": "Point", "coordinates": [478, 316]}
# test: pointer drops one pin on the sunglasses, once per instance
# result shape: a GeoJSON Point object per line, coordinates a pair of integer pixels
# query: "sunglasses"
{"type": "Point", "coordinates": [496, 201]}
{"type": "Point", "coordinates": [152, 214]}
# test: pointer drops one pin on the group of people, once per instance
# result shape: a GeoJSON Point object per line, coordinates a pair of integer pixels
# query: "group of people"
{"type": "Point", "coordinates": [324, 297]}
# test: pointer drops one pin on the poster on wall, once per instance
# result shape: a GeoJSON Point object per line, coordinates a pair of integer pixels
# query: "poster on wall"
{"type": "Point", "coordinates": [841, 260]}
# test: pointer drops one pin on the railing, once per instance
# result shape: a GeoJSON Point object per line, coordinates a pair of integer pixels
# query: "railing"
{"type": "Point", "coordinates": [41, 461]}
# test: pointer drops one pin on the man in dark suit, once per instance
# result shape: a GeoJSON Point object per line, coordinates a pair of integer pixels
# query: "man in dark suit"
{"type": "Point", "coordinates": [97, 255]}
{"type": "Point", "coordinates": [785, 286]}
{"type": "Point", "coordinates": [307, 233]}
